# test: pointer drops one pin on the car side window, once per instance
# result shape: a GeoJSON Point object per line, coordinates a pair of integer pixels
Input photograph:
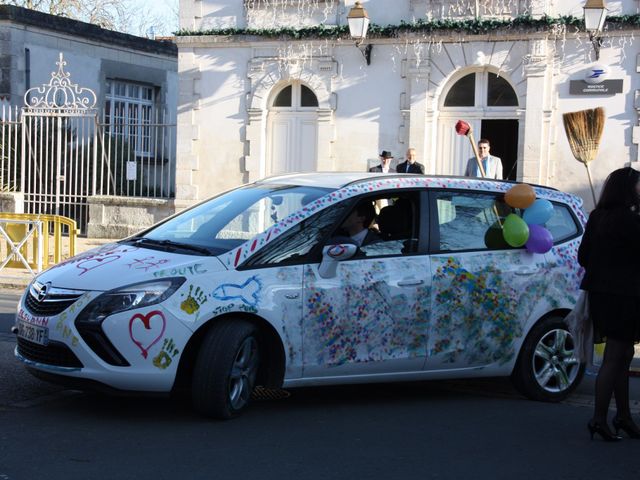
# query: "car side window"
{"type": "Point", "coordinates": [562, 223]}
{"type": "Point", "coordinates": [295, 244]}
{"type": "Point", "coordinates": [466, 221]}
{"type": "Point", "coordinates": [383, 225]}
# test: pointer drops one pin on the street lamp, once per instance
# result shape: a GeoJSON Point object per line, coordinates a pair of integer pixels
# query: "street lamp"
{"type": "Point", "coordinates": [358, 25]}
{"type": "Point", "coordinates": [595, 13]}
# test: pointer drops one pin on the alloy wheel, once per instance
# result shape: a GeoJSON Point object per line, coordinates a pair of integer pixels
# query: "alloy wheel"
{"type": "Point", "coordinates": [243, 373]}
{"type": "Point", "coordinates": [555, 365]}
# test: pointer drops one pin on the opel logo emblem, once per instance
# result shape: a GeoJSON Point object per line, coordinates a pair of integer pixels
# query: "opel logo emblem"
{"type": "Point", "coordinates": [42, 294]}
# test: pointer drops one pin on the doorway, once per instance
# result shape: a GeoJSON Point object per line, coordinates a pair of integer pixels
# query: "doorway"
{"type": "Point", "coordinates": [488, 103]}
{"type": "Point", "coordinates": [292, 131]}
{"type": "Point", "coordinates": [503, 136]}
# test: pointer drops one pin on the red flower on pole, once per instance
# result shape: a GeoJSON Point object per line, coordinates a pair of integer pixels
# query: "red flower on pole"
{"type": "Point", "coordinates": [462, 127]}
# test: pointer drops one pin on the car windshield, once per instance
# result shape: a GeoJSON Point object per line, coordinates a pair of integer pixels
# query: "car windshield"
{"type": "Point", "coordinates": [226, 221]}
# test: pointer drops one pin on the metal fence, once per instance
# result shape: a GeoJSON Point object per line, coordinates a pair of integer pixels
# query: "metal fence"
{"type": "Point", "coordinates": [127, 172]}
{"type": "Point", "coordinates": [58, 150]}
{"type": "Point", "coordinates": [10, 141]}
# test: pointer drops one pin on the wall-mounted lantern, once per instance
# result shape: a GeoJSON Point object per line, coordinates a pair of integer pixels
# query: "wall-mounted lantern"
{"type": "Point", "coordinates": [358, 25]}
{"type": "Point", "coordinates": [595, 13]}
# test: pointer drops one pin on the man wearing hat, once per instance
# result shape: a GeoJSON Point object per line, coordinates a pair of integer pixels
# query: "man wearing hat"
{"type": "Point", "coordinates": [385, 162]}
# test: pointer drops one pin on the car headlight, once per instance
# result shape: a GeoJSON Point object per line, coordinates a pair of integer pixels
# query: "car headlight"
{"type": "Point", "coordinates": [137, 295]}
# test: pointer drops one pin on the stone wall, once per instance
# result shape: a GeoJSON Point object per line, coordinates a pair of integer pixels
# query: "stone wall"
{"type": "Point", "coordinates": [11, 202]}
{"type": "Point", "coordinates": [119, 217]}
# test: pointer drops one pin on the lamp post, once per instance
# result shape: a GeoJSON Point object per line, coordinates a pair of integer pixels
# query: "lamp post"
{"type": "Point", "coordinates": [358, 19]}
{"type": "Point", "coordinates": [595, 13]}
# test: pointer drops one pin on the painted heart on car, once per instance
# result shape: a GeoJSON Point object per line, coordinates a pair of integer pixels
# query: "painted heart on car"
{"type": "Point", "coordinates": [145, 344]}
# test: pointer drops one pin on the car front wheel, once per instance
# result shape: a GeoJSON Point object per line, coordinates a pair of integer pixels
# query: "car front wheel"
{"type": "Point", "coordinates": [547, 368]}
{"type": "Point", "coordinates": [226, 369]}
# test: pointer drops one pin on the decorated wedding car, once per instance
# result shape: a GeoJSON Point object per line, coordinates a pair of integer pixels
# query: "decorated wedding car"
{"type": "Point", "coordinates": [265, 286]}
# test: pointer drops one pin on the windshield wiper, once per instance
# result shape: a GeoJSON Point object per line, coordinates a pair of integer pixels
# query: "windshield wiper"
{"type": "Point", "coordinates": [169, 245]}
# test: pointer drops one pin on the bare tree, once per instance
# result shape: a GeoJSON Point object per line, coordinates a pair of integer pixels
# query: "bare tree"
{"type": "Point", "coordinates": [137, 17]}
{"type": "Point", "coordinates": [109, 14]}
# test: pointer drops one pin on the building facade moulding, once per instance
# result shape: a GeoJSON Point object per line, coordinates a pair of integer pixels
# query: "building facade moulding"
{"type": "Point", "coordinates": [266, 74]}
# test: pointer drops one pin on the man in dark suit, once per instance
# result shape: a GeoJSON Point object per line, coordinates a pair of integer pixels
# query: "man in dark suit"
{"type": "Point", "coordinates": [410, 165]}
{"type": "Point", "coordinates": [357, 226]}
{"type": "Point", "coordinates": [385, 163]}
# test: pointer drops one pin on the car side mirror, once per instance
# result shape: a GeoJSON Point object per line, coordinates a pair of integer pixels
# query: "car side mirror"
{"type": "Point", "coordinates": [334, 253]}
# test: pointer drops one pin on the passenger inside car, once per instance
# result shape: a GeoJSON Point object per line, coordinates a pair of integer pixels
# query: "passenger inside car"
{"type": "Point", "coordinates": [358, 225]}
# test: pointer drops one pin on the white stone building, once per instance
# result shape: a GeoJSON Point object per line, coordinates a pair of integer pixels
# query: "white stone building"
{"type": "Point", "coordinates": [254, 101]}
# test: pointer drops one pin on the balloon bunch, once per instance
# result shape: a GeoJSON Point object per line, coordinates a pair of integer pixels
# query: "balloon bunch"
{"type": "Point", "coordinates": [527, 230]}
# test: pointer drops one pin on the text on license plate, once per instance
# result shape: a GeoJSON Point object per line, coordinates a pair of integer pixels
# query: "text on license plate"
{"type": "Point", "coordinates": [33, 333]}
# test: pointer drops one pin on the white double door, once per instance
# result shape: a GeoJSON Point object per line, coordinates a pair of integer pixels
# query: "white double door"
{"type": "Point", "coordinates": [292, 142]}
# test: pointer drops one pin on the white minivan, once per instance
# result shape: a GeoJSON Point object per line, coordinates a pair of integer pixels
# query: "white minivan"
{"type": "Point", "coordinates": [259, 287]}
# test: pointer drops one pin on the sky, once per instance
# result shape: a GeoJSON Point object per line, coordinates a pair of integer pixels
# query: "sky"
{"type": "Point", "coordinates": [161, 15]}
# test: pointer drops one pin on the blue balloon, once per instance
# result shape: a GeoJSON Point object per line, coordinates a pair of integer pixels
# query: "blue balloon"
{"type": "Point", "coordinates": [538, 213]}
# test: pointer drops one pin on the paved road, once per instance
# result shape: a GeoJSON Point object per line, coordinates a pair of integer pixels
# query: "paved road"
{"type": "Point", "coordinates": [428, 430]}
{"type": "Point", "coordinates": [8, 301]}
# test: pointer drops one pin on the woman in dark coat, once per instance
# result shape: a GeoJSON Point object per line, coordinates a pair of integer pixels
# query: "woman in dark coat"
{"type": "Point", "coordinates": [610, 254]}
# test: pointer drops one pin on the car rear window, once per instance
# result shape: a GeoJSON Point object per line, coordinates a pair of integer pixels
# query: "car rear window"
{"type": "Point", "coordinates": [562, 223]}
{"type": "Point", "coordinates": [471, 221]}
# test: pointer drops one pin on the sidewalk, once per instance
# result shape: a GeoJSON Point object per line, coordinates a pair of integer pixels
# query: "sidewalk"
{"type": "Point", "coordinates": [19, 278]}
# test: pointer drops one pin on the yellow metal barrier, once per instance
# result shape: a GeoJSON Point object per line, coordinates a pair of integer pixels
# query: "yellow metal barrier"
{"type": "Point", "coordinates": [17, 228]}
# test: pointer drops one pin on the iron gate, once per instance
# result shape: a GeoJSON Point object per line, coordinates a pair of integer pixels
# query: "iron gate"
{"type": "Point", "coordinates": [58, 151]}
{"type": "Point", "coordinates": [59, 148]}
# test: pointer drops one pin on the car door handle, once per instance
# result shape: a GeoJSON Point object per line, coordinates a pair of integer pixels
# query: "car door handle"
{"type": "Point", "coordinates": [526, 270]}
{"type": "Point", "coordinates": [291, 296]}
{"type": "Point", "coordinates": [410, 282]}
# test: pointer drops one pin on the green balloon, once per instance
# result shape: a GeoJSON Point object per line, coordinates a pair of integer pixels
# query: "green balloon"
{"type": "Point", "coordinates": [515, 230]}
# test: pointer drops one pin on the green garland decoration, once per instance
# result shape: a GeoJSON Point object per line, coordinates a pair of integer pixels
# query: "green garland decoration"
{"type": "Point", "coordinates": [474, 26]}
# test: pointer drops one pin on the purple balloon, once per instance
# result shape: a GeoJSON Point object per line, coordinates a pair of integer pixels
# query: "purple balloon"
{"type": "Point", "coordinates": [540, 239]}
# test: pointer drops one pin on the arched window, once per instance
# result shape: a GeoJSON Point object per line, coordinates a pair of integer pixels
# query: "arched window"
{"type": "Point", "coordinates": [463, 93]}
{"type": "Point", "coordinates": [284, 97]}
{"type": "Point", "coordinates": [307, 97]}
{"type": "Point", "coordinates": [295, 96]}
{"type": "Point", "coordinates": [481, 89]}
{"type": "Point", "coordinates": [500, 93]}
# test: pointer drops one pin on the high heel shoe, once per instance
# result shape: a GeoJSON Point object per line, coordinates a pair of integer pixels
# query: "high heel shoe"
{"type": "Point", "coordinates": [603, 431]}
{"type": "Point", "coordinates": [627, 426]}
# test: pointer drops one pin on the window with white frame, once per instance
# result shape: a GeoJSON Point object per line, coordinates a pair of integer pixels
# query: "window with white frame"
{"type": "Point", "coordinates": [128, 112]}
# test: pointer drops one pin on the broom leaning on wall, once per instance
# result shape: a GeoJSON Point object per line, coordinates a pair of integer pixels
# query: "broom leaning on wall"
{"type": "Point", "coordinates": [584, 131]}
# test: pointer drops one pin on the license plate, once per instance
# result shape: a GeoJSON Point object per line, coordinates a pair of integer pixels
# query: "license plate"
{"type": "Point", "coordinates": [33, 333]}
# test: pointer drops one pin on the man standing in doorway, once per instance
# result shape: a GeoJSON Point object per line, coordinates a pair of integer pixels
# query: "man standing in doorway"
{"type": "Point", "coordinates": [410, 165]}
{"type": "Point", "coordinates": [385, 162]}
{"type": "Point", "coordinates": [492, 165]}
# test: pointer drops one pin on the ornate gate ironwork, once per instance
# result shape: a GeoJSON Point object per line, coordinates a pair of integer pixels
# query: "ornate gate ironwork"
{"type": "Point", "coordinates": [59, 148]}
{"type": "Point", "coordinates": [58, 151]}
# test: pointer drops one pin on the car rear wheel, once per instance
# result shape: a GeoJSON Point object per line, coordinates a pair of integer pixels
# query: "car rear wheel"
{"type": "Point", "coordinates": [547, 368]}
{"type": "Point", "coordinates": [226, 369]}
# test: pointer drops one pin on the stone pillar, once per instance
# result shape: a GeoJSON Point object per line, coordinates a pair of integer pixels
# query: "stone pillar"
{"type": "Point", "coordinates": [535, 161]}
{"type": "Point", "coordinates": [326, 137]}
{"type": "Point", "coordinates": [418, 124]}
{"type": "Point", "coordinates": [187, 159]}
{"type": "Point", "coordinates": [635, 162]}
{"type": "Point", "coordinates": [254, 161]}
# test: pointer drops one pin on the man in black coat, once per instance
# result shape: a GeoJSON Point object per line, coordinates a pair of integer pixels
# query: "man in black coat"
{"type": "Point", "coordinates": [410, 165]}
{"type": "Point", "coordinates": [385, 163]}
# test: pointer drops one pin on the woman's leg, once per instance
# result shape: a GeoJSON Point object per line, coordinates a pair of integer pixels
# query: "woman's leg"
{"type": "Point", "coordinates": [613, 362]}
{"type": "Point", "coordinates": [621, 385]}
